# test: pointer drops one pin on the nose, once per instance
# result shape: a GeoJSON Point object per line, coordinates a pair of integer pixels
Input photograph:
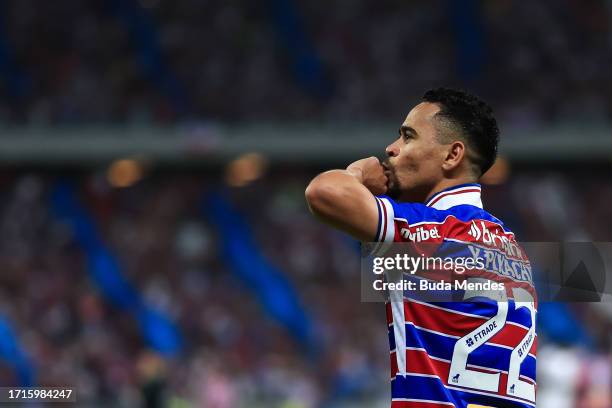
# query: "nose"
{"type": "Point", "coordinates": [392, 150]}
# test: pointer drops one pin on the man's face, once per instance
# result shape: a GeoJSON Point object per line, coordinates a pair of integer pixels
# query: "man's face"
{"type": "Point", "coordinates": [413, 165]}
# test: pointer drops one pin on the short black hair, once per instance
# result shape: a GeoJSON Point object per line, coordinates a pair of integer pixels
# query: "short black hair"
{"type": "Point", "coordinates": [474, 119]}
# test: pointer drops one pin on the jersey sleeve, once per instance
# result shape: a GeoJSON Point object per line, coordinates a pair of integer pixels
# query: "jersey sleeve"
{"type": "Point", "coordinates": [387, 231]}
{"type": "Point", "coordinates": [386, 216]}
{"type": "Point", "coordinates": [395, 220]}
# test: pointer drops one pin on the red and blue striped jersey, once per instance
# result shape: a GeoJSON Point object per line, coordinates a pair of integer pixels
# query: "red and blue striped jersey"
{"type": "Point", "coordinates": [461, 353]}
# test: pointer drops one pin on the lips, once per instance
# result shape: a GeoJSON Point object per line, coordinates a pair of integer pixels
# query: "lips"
{"type": "Point", "coordinates": [387, 168]}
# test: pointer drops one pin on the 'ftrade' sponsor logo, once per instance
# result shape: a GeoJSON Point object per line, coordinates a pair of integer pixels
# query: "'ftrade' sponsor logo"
{"type": "Point", "coordinates": [420, 234]}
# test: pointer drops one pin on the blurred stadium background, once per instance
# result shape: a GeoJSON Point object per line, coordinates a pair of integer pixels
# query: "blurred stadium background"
{"type": "Point", "coordinates": [156, 250]}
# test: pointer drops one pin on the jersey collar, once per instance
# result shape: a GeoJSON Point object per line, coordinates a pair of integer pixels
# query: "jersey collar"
{"type": "Point", "coordinates": [462, 194]}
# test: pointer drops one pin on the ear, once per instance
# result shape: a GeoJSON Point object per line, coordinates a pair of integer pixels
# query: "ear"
{"type": "Point", "coordinates": [454, 155]}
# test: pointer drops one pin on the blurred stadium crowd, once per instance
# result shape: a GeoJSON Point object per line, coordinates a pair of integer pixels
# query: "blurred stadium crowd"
{"type": "Point", "coordinates": [160, 61]}
{"type": "Point", "coordinates": [234, 354]}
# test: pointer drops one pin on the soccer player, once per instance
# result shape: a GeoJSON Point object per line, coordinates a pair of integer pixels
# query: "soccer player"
{"type": "Point", "coordinates": [469, 353]}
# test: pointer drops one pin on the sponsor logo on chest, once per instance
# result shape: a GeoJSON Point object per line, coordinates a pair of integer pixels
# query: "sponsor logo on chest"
{"type": "Point", "coordinates": [420, 233]}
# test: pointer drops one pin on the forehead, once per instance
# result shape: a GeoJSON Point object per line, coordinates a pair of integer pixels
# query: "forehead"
{"type": "Point", "coordinates": [421, 117]}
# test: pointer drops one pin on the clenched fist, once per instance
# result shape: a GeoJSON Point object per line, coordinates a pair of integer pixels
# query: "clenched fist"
{"type": "Point", "coordinates": [370, 173]}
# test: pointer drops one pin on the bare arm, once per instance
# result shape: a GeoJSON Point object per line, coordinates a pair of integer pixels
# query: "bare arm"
{"type": "Point", "coordinates": [345, 199]}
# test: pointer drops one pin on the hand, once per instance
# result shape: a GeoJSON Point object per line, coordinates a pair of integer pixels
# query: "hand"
{"type": "Point", "coordinates": [370, 173]}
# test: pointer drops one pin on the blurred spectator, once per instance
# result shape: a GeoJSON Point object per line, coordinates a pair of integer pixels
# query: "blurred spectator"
{"type": "Point", "coordinates": [235, 356]}
{"type": "Point", "coordinates": [540, 61]}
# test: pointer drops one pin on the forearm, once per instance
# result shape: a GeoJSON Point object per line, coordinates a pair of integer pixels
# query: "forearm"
{"type": "Point", "coordinates": [338, 198]}
{"type": "Point", "coordinates": [329, 189]}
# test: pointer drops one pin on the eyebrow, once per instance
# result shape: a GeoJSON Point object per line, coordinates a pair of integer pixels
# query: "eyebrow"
{"type": "Point", "coordinates": [406, 129]}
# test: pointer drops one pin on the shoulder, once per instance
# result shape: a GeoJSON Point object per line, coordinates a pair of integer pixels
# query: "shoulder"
{"type": "Point", "coordinates": [410, 212]}
{"type": "Point", "coordinates": [397, 219]}
{"type": "Point", "coordinates": [418, 212]}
